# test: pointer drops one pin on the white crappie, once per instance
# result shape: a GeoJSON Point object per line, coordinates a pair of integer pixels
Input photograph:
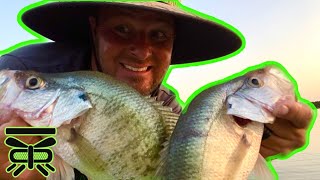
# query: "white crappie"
{"type": "Point", "coordinates": [219, 135]}
{"type": "Point", "coordinates": [106, 129]}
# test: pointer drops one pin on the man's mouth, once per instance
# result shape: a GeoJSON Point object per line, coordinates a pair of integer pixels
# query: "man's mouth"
{"type": "Point", "coordinates": [136, 69]}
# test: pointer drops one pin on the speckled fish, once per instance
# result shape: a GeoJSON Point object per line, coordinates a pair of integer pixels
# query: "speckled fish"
{"type": "Point", "coordinates": [219, 135]}
{"type": "Point", "coordinates": [106, 129]}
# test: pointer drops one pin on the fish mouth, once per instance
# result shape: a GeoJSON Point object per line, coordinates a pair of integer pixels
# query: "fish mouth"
{"type": "Point", "coordinates": [245, 108]}
{"type": "Point", "coordinates": [43, 115]}
{"type": "Point", "coordinates": [49, 111]}
{"type": "Point", "coordinates": [242, 122]}
{"type": "Point", "coordinates": [254, 101]}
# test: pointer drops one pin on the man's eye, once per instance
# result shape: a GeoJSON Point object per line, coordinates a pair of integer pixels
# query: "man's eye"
{"type": "Point", "coordinates": [122, 30]}
{"type": "Point", "coordinates": [159, 36]}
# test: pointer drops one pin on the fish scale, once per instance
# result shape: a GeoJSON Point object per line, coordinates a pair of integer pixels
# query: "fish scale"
{"type": "Point", "coordinates": [112, 132]}
{"type": "Point", "coordinates": [125, 145]}
{"type": "Point", "coordinates": [191, 131]}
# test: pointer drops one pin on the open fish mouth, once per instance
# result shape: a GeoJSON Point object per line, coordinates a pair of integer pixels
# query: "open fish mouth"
{"type": "Point", "coordinates": [242, 122]}
{"type": "Point", "coordinates": [54, 111]}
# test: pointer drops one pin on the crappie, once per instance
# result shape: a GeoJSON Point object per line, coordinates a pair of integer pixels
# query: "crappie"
{"type": "Point", "coordinates": [106, 129]}
{"type": "Point", "coordinates": [219, 135]}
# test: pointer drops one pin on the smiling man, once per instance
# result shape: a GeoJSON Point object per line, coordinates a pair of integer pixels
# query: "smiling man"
{"type": "Point", "coordinates": [133, 47]}
{"type": "Point", "coordinates": [136, 43]}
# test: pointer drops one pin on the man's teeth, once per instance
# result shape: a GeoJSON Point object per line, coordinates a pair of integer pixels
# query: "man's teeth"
{"type": "Point", "coordinates": [136, 69]}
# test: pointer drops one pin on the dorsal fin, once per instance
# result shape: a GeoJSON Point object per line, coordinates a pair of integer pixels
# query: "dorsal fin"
{"type": "Point", "coordinates": [261, 170]}
{"type": "Point", "coordinates": [160, 171]}
{"type": "Point", "coordinates": [169, 118]}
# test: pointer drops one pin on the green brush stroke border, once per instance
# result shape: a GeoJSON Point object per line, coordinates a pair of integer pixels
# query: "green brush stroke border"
{"type": "Point", "coordinates": [40, 39]}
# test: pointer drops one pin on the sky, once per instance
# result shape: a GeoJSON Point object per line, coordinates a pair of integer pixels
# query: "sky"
{"type": "Point", "coordinates": [286, 31]}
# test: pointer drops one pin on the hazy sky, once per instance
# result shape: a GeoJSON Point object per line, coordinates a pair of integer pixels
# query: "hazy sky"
{"type": "Point", "coordinates": [286, 31]}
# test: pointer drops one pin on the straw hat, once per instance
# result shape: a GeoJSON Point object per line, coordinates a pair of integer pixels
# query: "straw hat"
{"type": "Point", "coordinates": [197, 39]}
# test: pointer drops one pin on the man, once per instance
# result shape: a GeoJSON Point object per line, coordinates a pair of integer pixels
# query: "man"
{"type": "Point", "coordinates": [136, 43]}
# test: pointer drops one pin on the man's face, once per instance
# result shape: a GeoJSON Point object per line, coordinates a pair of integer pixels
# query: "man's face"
{"type": "Point", "coordinates": [134, 46]}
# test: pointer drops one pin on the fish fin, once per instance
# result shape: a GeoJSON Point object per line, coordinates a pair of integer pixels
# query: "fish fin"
{"type": "Point", "coordinates": [63, 170]}
{"type": "Point", "coordinates": [82, 147]}
{"type": "Point", "coordinates": [150, 98]}
{"type": "Point", "coordinates": [169, 117]}
{"type": "Point", "coordinates": [147, 97]}
{"type": "Point", "coordinates": [169, 120]}
{"type": "Point", "coordinates": [87, 151]}
{"type": "Point", "coordinates": [261, 171]}
{"type": "Point", "coordinates": [160, 171]}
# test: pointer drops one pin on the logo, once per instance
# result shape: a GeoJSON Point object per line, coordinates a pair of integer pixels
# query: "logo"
{"type": "Point", "coordinates": [23, 156]}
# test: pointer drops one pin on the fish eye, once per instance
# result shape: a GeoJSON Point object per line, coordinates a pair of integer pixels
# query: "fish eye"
{"type": "Point", "coordinates": [255, 82]}
{"type": "Point", "coordinates": [34, 82]}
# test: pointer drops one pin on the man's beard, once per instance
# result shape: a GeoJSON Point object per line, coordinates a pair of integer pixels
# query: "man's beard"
{"type": "Point", "coordinates": [144, 88]}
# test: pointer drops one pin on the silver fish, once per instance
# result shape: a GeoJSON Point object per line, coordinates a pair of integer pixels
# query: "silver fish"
{"type": "Point", "coordinates": [219, 135]}
{"type": "Point", "coordinates": [106, 129]}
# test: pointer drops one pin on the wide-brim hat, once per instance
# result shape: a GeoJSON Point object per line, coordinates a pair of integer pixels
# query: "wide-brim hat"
{"type": "Point", "coordinates": [197, 39]}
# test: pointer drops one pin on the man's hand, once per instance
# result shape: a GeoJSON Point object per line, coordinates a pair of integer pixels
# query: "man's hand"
{"type": "Point", "coordinates": [4, 150]}
{"type": "Point", "coordinates": [289, 129]}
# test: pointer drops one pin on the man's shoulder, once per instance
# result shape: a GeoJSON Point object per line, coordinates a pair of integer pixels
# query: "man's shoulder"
{"type": "Point", "coordinates": [46, 57]}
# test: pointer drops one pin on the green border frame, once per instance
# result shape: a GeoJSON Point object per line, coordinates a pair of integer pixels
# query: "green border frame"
{"type": "Point", "coordinates": [40, 39]}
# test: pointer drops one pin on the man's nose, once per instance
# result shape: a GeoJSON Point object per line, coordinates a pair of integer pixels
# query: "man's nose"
{"type": "Point", "coordinates": [141, 48]}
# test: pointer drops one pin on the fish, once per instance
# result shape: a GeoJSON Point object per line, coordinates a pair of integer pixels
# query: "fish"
{"type": "Point", "coordinates": [105, 129]}
{"type": "Point", "coordinates": [218, 135]}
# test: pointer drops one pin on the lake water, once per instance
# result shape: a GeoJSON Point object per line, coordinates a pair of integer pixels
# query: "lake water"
{"type": "Point", "coordinates": [304, 166]}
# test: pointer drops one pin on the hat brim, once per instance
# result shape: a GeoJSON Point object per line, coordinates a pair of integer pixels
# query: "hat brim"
{"type": "Point", "coordinates": [197, 39]}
